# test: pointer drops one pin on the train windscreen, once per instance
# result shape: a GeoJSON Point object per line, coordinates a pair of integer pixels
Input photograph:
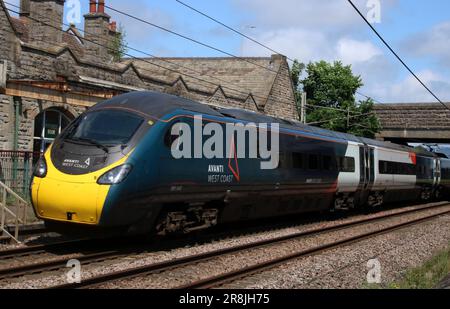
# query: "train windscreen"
{"type": "Point", "coordinates": [106, 127]}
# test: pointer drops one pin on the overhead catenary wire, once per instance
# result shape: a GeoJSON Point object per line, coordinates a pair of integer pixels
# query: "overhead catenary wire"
{"type": "Point", "coordinates": [340, 118]}
{"type": "Point", "coordinates": [348, 117]}
{"type": "Point", "coordinates": [329, 108]}
{"type": "Point", "coordinates": [144, 60]}
{"type": "Point", "coordinates": [152, 56]}
{"type": "Point", "coordinates": [252, 39]}
{"type": "Point", "coordinates": [189, 38]}
{"type": "Point", "coordinates": [396, 55]}
{"type": "Point", "coordinates": [368, 97]}
{"type": "Point", "coordinates": [233, 29]}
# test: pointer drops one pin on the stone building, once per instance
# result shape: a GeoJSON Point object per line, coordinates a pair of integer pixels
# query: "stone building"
{"type": "Point", "coordinates": [50, 73]}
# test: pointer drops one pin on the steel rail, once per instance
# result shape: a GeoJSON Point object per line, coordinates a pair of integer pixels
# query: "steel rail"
{"type": "Point", "coordinates": [30, 269]}
{"type": "Point", "coordinates": [193, 259]}
{"type": "Point", "coordinates": [229, 277]}
{"type": "Point", "coordinates": [37, 249]}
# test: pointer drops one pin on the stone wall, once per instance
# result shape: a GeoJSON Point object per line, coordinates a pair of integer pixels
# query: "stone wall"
{"type": "Point", "coordinates": [29, 109]}
{"type": "Point", "coordinates": [6, 121]}
{"type": "Point", "coordinates": [46, 19]}
{"type": "Point", "coordinates": [281, 102]}
{"type": "Point", "coordinates": [96, 27]}
{"type": "Point", "coordinates": [8, 46]}
{"type": "Point", "coordinates": [47, 66]}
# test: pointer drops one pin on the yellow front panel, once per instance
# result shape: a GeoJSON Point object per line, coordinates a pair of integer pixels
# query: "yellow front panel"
{"type": "Point", "coordinates": [58, 194]}
{"type": "Point", "coordinates": [84, 201]}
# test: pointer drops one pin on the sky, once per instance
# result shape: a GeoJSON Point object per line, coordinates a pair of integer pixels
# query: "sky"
{"type": "Point", "coordinates": [307, 30]}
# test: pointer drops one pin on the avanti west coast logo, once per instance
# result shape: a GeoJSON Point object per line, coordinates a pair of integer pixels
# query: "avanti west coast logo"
{"type": "Point", "coordinates": [213, 140]}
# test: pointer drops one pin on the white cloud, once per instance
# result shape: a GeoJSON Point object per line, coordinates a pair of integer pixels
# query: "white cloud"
{"type": "Point", "coordinates": [321, 14]}
{"type": "Point", "coordinates": [137, 32]}
{"type": "Point", "coordinates": [413, 89]}
{"type": "Point", "coordinates": [408, 89]}
{"type": "Point", "coordinates": [331, 30]}
{"type": "Point", "coordinates": [351, 51]}
{"type": "Point", "coordinates": [433, 42]}
{"type": "Point", "coordinates": [297, 43]}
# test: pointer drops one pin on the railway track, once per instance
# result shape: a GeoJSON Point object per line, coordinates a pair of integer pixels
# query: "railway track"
{"type": "Point", "coordinates": [165, 268]}
{"type": "Point", "coordinates": [26, 259]}
{"type": "Point", "coordinates": [36, 249]}
{"type": "Point", "coordinates": [55, 255]}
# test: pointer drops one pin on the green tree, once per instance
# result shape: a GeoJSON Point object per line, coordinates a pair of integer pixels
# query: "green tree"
{"type": "Point", "coordinates": [331, 103]}
{"type": "Point", "coordinates": [118, 45]}
{"type": "Point", "coordinates": [296, 72]}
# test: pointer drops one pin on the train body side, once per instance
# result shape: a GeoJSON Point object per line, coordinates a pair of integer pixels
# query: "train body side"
{"type": "Point", "coordinates": [317, 171]}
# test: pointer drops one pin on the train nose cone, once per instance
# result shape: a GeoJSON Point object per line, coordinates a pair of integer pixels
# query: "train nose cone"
{"type": "Point", "coordinates": [71, 202]}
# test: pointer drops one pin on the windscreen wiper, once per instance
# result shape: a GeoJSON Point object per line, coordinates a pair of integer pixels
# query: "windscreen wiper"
{"type": "Point", "coordinates": [92, 142]}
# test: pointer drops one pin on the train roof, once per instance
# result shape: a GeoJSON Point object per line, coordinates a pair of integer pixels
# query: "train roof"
{"type": "Point", "coordinates": [157, 105]}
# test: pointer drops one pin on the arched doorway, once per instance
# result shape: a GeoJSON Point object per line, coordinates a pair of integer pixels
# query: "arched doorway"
{"type": "Point", "coordinates": [48, 125]}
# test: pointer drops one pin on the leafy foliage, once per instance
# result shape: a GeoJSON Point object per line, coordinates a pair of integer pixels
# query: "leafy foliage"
{"type": "Point", "coordinates": [296, 71]}
{"type": "Point", "coordinates": [118, 45]}
{"type": "Point", "coordinates": [331, 104]}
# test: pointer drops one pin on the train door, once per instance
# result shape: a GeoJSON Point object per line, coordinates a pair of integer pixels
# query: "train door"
{"type": "Point", "coordinates": [367, 172]}
{"type": "Point", "coordinates": [367, 155]}
{"type": "Point", "coordinates": [437, 174]}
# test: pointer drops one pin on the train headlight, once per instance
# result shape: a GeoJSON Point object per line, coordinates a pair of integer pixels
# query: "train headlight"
{"type": "Point", "coordinates": [116, 175]}
{"type": "Point", "coordinates": [41, 168]}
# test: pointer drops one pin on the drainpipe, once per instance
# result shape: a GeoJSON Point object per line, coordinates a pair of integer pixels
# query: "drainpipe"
{"type": "Point", "coordinates": [16, 135]}
{"type": "Point", "coordinates": [16, 123]}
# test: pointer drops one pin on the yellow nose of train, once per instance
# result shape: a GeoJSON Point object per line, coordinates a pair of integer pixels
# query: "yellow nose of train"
{"type": "Point", "coordinates": [70, 198]}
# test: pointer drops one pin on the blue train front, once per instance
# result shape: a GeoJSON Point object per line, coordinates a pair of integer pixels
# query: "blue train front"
{"type": "Point", "coordinates": [97, 171]}
{"type": "Point", "coordinates": [112, 168]}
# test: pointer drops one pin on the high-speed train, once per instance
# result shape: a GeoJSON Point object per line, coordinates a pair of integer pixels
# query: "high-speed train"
{"type": "Point", "coordinates": [114, 167]}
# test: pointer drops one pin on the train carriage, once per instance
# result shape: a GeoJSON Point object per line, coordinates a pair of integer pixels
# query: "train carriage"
{"type": "Point", "coordinates": [114, 167]}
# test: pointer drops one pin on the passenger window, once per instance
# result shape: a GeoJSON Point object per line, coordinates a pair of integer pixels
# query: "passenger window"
{"type": "Point", "coordinates": [281, 160]}
{"type": "Point", "coordinates": [298, 160]}
{"type": "Point", "coordinates": [328, 163]}
{"type": "Point", "coordinates": [346, 164]}
{"type": "Point", "coordinates": [383, 167]}
{"type": "Point", "coordinates": [313, 162]}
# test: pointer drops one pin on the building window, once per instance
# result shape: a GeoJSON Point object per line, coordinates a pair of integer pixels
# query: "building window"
{"type": "Point", "coordinates": [47, 126]}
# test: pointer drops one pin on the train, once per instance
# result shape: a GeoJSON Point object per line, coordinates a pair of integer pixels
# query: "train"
{"type": "Point", "coordinates": [119, 166]}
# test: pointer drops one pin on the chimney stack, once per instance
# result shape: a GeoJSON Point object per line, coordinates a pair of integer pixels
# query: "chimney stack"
{"type": "Point", "coordinates": [24, 8]}
{"type": "Point", "coordinates": [113, 26]}
{"type": "Point", "coordinates": [101, 6]}
{"type": "Point", "coordinates": [92, 6]}
{"type": "Point", "coordinates": [97, 32]}
{"type": "Point", "coordinates": [46, 23]}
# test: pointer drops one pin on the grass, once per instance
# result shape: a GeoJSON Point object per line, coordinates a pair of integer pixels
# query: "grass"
{"type": "Point", "coordinates": [427, 276]}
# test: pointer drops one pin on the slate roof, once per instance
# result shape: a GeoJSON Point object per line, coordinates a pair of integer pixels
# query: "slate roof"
{"type": "Point", "coordinates": [238, 77]}
{"type": "Point", "coordinates": [69, 37]}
